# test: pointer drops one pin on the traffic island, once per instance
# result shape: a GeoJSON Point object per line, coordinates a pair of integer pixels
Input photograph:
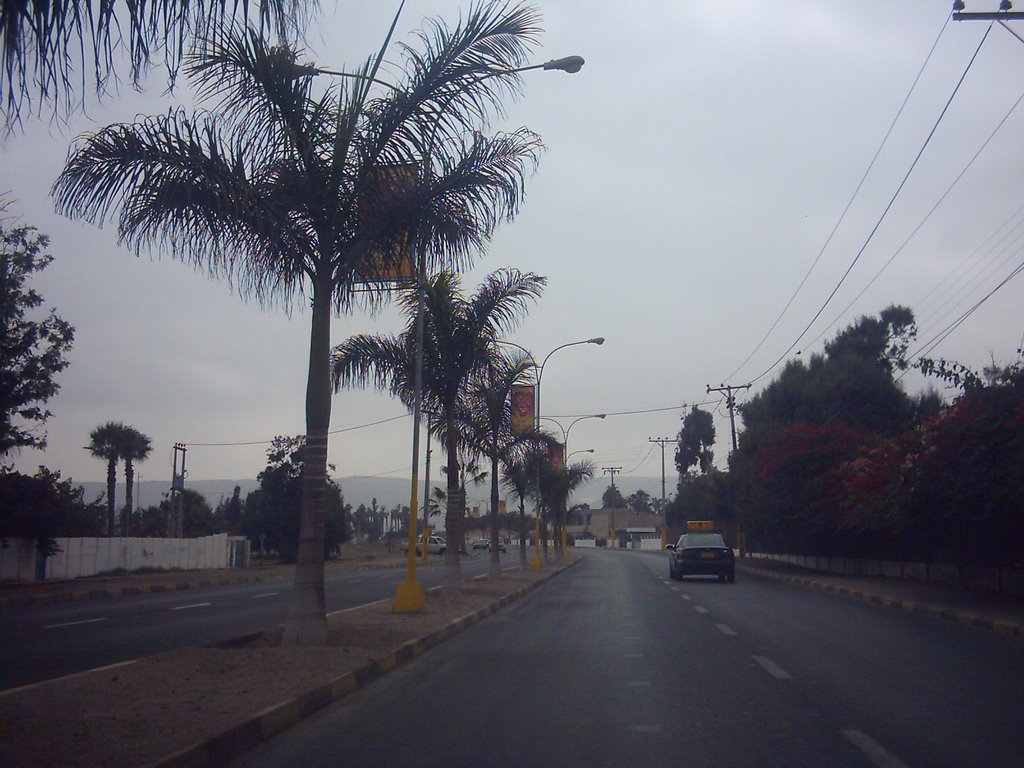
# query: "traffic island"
{"type": "Point", "coordinates": [203, 706]}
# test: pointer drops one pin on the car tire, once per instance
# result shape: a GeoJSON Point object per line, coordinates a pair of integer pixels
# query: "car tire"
{"type": "Point", "coordinates": [721, 577]}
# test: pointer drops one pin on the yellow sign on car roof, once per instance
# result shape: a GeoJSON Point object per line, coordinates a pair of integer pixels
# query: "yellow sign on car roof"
{"type": "Point", "coordinates": [700, 525]}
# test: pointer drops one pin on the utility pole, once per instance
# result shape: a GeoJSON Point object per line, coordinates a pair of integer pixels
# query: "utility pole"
{"type": "Point", "coordinates": [177, 487]}
{"type": "Point", "coordinates": [730, 402]}
{"type": "Point", "coordinates": [662, 441]}
{"type": "Point", "coordinates": [612, 471]}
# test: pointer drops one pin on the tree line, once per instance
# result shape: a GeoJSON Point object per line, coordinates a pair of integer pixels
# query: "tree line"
{"type": "Point", "coordinates": [836, 459]}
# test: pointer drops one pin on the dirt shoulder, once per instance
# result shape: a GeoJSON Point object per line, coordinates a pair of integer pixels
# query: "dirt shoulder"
{"type": "Point", "coordinates": [205, 702]}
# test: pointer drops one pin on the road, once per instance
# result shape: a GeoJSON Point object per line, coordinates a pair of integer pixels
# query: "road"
{"type": "Point", "coordinates": [42, 642]}
{"type": "Point", "coordinates": [612, 664]}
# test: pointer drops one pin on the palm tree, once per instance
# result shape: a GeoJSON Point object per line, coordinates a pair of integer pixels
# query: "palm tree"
{"type": "Point", "coordinates": [459, 339]}
{"type": "Point", "coordinates": [104, 443]}
{"type": "Point", "coordinates": [557, 486]}
{"type": "Point", "coordinates": [294, 196]}
{"type": "Point", "coordinates": [132, 446]}
{"type": "Point", "coordinates": [47, 45]}
{"type": "Point", "coordinates": [487, 424]}
{"type": "Point", "coordinates": [519, 478]}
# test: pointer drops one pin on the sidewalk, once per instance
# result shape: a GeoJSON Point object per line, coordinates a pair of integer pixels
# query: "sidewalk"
{"type": "Point", "coordinates": [984, 610]}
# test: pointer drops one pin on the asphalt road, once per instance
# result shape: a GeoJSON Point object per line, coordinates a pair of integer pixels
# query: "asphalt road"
{"type": "Point", "coordinates": [42, 642]}
{"type": "Point", "coordinates": [611, 664]}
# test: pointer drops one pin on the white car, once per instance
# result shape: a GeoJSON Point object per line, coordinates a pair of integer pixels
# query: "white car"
{"type": "Point", "coordinates": [436, 545]}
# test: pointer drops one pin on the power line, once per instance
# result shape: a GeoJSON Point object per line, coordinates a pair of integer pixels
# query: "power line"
{"type": "Point", "coordinates": [922, 223]}
{"type": "Point", "coordinates": [268, 442]}
{"type": "Point", "coordinates": [842, 216]}
{"type": "Point", "coordinates": [885, 211]}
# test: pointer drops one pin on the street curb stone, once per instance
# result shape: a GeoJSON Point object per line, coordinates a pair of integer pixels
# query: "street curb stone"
{"type": "Point", "coordinates": [218, 750]}
{"type": "Point", "coordinates": [959, 617]}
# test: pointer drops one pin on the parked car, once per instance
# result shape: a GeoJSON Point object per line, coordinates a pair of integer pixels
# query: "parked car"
{"type": "Point", "coordinates": [436, 545]}
{"type": "Point", "coordinates": [701, 554]}
{"type": "Point", "coordinates": [481, 543]}
{"type": "Point", "coordinates": [501, 544]}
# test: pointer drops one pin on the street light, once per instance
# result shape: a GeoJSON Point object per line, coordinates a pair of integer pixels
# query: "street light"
{"type": "Point", "coordinates": [539, 374]}
{"type": "Point", "coordinates": [566, 430]}
{"type": "Point", "coordinates": [585, 450]}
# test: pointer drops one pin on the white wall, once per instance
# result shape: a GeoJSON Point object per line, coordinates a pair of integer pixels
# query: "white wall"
{"type": "Point", "coordinates": [87, 557]}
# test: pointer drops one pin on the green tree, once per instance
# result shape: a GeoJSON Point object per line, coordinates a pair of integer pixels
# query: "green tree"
{"type": "Point", "coordinates": [639, 502]}
{"type": "Point", "coordinates": [229, 511]}
{"type": "Point", "coordinates": [272, 514]}
{"type": "Point", "coordinates": [696, 439]}
{"type": "Point", "coordinates": [297, 195]}
{"type": "Point", "coordinates": [557, 484]}
{"type": "Point", "coordinates": [196, 514]}
{"type": "Point", "coordinates": [104, 443]}
{"type": "Point", "coordinates": [32, 350]}
{"type": "Point", "coordinates": [519, 478]}
{"type": "Point", "coordinates": [612, 497]}
{"type": "Point", "coordinates": [48, 47]}
{"type": "Point", "coordinates": [460, 336]}
{"type": "Point", "coordinates": [44, 507]}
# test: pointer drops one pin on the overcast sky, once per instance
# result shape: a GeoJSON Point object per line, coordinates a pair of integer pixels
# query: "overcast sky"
{"type": "Point", "coordinates": [694, 170]}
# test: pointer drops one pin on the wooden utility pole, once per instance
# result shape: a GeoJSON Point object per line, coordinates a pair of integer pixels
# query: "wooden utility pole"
{"type": "Point", "coordinates": [730, 402]}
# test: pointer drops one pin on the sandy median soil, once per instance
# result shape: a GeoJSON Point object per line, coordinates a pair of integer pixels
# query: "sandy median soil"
{"type": "Point", "coordinates": [137, 713]}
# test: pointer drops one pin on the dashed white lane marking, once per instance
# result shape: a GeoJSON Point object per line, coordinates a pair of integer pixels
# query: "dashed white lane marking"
{"type": "Point", "coordinates": [700, 609]}
{"type": "Point", "coordinates": [874, 751]}
{"type": "Point", "coordinates": [772, 668]}
{"type": "Point", "coordinates": [191, 605]}
{"type": "Point", "coordinates": [725, 630]}
{"type": "Point", "coordinates": [73, 623]}
{"type": "Point", "coordinates": [674, 588]}
{"type": "Point", "coordinates": [687, 597]}
{"type": "Point", "coordinates": [265, 594]}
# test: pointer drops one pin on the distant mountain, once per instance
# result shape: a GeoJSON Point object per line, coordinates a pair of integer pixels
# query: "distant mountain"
{"type": "Point", "coordinates": [357, 490]}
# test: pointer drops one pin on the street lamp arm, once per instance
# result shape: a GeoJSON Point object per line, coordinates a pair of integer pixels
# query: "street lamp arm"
{"type": "Point", "coordinates": [540, 369]}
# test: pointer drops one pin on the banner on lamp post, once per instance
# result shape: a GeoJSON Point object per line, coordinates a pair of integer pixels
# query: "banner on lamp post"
{"type": "Point", "coordinates": [558, 456]}
{"type": "Point", "coordinates": [523, 404]}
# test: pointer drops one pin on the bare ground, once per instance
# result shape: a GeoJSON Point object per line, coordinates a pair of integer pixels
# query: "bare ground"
{"type": "Point", "coordinates": [137, 713]}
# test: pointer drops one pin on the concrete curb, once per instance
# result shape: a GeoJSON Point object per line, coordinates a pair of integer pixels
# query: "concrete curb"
{"type": "Point", "coordinates": [100, 594]}
{"type": "Point", "coordinates": [960, 617]}
{"type": "Point", "coordinates": [253, 731]}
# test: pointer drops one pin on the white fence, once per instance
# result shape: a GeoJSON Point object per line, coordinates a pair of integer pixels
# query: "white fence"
{"type": "Point", "coordinates": [87, 557]}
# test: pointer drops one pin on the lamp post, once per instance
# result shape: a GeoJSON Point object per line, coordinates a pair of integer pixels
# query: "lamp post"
{"type": "Point", "coordinates": [537, 562]}
{"type": "Point", "coordinates": [566, 430]}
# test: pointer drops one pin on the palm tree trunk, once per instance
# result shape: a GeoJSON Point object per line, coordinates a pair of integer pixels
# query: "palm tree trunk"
{"type": "Point", "coordinates": [129, 481]}
{"type": "Point", "coordinates": [452, 579]}
{"type": "Point", "coordinates": [307, 620]}
{"type": "Point", "coordinates": [495, 569]}
{"type": "Point", "coordinates": [111, 490]}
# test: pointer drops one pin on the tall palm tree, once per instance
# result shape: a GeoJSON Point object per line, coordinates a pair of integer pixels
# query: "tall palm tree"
{"type": "Point", "coordinates": [132, 446]}
{"type": "Point", "coordinates": [48, 46]}
{"type": "Point", "coordinates": [294, 196]}
{"type": "Point", "coordinates": [104, 443]}
{"type": "Point", "coordinates": [557, 486]}
{"type": "Point", "coordinates": [487, 425]}
{"type": "Point", "coordinates": [519, 478]}
{"type": "Point", "coordinates": [459, 339]}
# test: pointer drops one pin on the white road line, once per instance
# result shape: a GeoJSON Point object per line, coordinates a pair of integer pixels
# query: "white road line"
{"type": "Point", "coordinates": [687, 597]}
{"type": "Point", "coordinates": [191, 605]}
{"type": "Point", "coordinates": [772, 668]}
{"type": "Point", "coordinates": [73, 623]}
{"type": "Point", "coordinates": [265, 594]}
{"type": "Point", "coordinates": [874, 751]}
{"type": "Point", "coordinates": [700, 609]}
{"type": "Point", "coordinates": [726, 630]}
